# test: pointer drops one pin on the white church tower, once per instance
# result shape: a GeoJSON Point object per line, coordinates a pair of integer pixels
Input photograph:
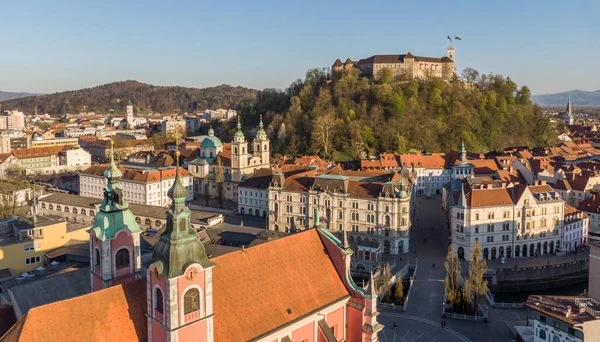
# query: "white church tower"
{"type": "Point", "coordinates": [260, 145]}
{"type": "Point", "coordinates": [129, 117]}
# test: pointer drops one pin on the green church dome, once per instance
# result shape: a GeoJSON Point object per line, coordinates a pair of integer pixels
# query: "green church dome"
{"type": "Point", "coordinates": [211, 142]}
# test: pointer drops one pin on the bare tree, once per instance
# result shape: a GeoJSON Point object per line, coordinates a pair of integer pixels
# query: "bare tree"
{"type": "Point", "coordinates": [206, 188]}
{"type": "Point", "coordinates": [476, 286]}
{"type": "Point", "coordinates": [220, 179]}
{"type": "Point", "coordinates": [452, 278]}
{"type": "Point", "coordinates": [323, 128]}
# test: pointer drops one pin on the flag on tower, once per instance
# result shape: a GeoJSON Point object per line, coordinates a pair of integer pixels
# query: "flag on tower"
{"type": "Point", "coordinates": [457, 37]}
{"type": "Point", "coordinates": [450, 39]}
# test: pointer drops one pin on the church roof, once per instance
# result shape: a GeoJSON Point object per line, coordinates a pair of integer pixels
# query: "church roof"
{"type": "Point", "coordinates": [113, 314]}
{"type": "Point", "coordinates": [275, 289]}
{"type": "Point", "coordinates": [288, 288]}
{"type": "Point", "coordinates": [211, 142]}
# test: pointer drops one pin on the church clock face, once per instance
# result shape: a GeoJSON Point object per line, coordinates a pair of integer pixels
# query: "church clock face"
{"type": "Point", "coordinates": [192, 274]}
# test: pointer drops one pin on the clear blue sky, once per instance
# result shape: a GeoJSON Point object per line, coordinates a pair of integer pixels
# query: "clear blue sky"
{"type": "Point", "coordinates": [50, 46]}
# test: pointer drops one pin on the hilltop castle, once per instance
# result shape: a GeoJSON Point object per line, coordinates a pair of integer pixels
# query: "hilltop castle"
{"type": "Point", "coordinates": [399, 65]}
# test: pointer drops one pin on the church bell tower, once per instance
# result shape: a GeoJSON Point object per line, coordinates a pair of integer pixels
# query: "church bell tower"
{"type": "Point", "coordinates": [260, 145]}
{"type": "Point", "coordinates": [114, 236]}
{"type": "Point", "coordinates": [179, 291]}
{"type": "Point", "coordinates": [239, 154]}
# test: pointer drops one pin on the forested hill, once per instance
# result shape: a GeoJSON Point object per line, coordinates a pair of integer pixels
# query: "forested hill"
{"type": "Point", "coordinates": [343, 117]}
{"type": "Point", "coordinates": [145, 98]}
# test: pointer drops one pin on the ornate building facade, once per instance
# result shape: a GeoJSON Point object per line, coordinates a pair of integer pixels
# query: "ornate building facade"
{"type": "Point", "coordinates": [229, 164]}
{"type": "Point", "coordinates": [370, 206]}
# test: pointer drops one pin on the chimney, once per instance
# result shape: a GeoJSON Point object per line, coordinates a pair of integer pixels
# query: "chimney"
{"type": "Point", "coordinates": [543, 182]}
{"type": "Point", "coordinates": [582, 307]}
{"type": "Point", "coordinates": [568, 313]}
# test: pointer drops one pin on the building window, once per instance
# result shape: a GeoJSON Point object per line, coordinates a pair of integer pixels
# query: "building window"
{"type": "Point", "coordinates": [158, 300]}
{"type": "Point", "coordinates": [191, 301]}
{"type": "Point", "coordinates": [122, 258]}
{"type": "Point", "coordinates": [97, 257]}
{"type": "Point", "coordinates": [32, 260]}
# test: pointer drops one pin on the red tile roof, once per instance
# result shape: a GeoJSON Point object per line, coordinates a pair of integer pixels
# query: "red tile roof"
{"type": "Point", "coordinates": [114, 314]}
{"type": "Point", "coordinates": [143, 176]}
{"type": "Point", "coordinates": [262, 288]}
{"type": "Point", "coordinates": [38, 152]}
{"type": "Point", "coordinates": [484, 166]}
{"type": "Point", "coordinates": [428, 161]}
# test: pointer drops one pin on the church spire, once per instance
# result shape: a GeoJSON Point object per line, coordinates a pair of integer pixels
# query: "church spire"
{"type": "Point", "coordinates": [239, 133]}
{"type": "Point", "coordinates": [178, 246]}
{"type": "Point", "coordinates": [261, 134]}
{"type": "Point", "coordinates": [371, 288]}
{"type": "Point", "coordinates": [114, 214]}
{"type": "Point", "coordinates": [463, 153]}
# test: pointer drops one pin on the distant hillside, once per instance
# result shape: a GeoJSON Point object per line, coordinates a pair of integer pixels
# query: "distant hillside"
{"type": "Point", "coordinates": [145, 98]}
{"type": "Point", "coordinates": [6, 95]}
{"type": "Point", "coordinates": [578, 98]}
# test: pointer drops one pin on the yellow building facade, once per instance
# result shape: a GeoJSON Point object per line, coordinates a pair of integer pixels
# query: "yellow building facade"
{"type": "Point", "coordinates": [23, 242]}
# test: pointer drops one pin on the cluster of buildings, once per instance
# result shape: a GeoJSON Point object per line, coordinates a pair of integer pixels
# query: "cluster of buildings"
{"type": "Point", "coordinates": [518, 203]}
{"type": "Point", "coordinates": [177, 292]}
{"type": "Point", "coordinates": [407, 65]}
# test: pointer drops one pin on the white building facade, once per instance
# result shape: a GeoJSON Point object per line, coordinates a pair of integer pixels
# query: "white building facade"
{"type": "Point", "coordinates": [575, 232]}
{"type": "Point", "coordinates": [381, 214]}
{"type": "Point", "coordinates": [139, 186]}
{"type": "Point", "coordinates": [508, 221]}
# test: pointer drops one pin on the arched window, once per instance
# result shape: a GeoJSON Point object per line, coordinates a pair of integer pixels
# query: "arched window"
{"type": "Point", "coordinates": [66, 209]}
{"type": "Point", "coordinates": [50, 206]}
{"type": "Point", "coordinates": [97, 258]}
{"type": "Point", "coordinates": [158, 300]}
{"type": "Point", "coordinates": [58, 208]}
{"type": "Point", "coordinates": [147, 222]}
{"type": "Point", "coordinates": [74, 210]}
{"type": "Point", "coordinates": [122, 258]}
{"type": "Point", "coordinates": [43, 205]}
{"type": "Point", "coordinates": [387, 220]}
{"type": "Point", "coordinates": [83, 212]}
{"type": "Point", "coordinates": [191, 301]}
{"type": "Point", "coordinates": [275, 207]}
{"type": "Point", "coordinates": [91, 213]}
{"type": "Point", "coordinates": [138, 220]}
{"type": "Point", "coordinates": [158, 223]}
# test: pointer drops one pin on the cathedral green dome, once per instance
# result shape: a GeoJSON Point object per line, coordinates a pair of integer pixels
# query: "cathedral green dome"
{"type": "Point", "coordinates": [211, 142]}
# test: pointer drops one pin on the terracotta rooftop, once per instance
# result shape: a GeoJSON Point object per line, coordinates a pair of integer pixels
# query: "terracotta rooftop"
{"type": "Point", "coordinates": [274, 286]}
{"type": "Point", "coordinates": [38, 152]}
{"type": "Point", "coordinates": [569, 309]}
{"type": "Point", "coordinates": [428, 161]}
{"type": "Point", "coordinates": [113, 314]}
{"type": "Point", "coordinates": [136, 175]}
{"type": "Point", "coordinates": [484, 166]}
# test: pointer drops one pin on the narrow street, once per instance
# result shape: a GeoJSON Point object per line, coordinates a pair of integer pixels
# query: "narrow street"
{"type": "Point", "coordinates": [421, 321]}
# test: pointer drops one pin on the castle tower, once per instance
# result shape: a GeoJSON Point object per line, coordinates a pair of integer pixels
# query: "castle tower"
{"type": "Point", "coordinates": [260, 145]}
{"type": "Point", "coordinates": [179, 291]}
{"type": "Point", "coordinates": [129, 117]}
{"type": "Point", "coordinates": [239, 154]}
{"type": "Point", "coordinates": [450, 53]}
{"type": "Point", "coordinates": [114, 236]}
